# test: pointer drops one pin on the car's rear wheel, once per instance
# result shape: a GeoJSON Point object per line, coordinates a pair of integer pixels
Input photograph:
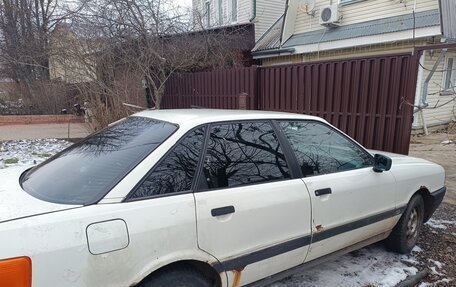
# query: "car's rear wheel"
{"type": "Point", "coordinates": [176, 277]}
{"type": "Point", "coordinates": [406, 232]}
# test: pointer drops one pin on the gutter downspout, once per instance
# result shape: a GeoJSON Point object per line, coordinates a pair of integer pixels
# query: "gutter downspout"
{"type": "Point", "coordinates": [424, 92]}
{"type": "Point", "coordinates": [254, 10]}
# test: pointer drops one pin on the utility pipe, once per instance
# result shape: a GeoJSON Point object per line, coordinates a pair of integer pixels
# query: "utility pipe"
{"type": "Point", "coordinates": [254, 10]}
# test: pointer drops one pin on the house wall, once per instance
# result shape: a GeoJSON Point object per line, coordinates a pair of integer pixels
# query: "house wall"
{"type": "Point", "coordinates": [444, 114]}
{"type": "Point", "coordinates": [267, 12]}
{"type": "Point", "coordinates": [69, 60]}
{"type": "Point", "coordinates": [362, 11]}
{"type": "Point", "coordinates": [448, 18]}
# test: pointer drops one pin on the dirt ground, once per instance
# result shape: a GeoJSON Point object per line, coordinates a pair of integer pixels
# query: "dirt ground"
{"type": "Point", "coordinates": [431, 148]}
{"type": "Point", "coordinates": [439, 244]}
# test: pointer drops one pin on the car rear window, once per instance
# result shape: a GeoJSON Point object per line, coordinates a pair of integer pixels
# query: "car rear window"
{"type": "Point", "coordinates": [85, 172]}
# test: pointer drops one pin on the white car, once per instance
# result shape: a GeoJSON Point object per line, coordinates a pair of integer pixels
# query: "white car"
{"type": "Point", "coordinates": [205, 198]}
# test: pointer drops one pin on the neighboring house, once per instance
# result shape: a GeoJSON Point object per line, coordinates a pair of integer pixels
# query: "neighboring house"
{"type": "Point", "coordinates": [312, 30]}
{"type": "Point", "coordinates": [219, 13]}
{"type": "Point", "coordinates": [70, 60]}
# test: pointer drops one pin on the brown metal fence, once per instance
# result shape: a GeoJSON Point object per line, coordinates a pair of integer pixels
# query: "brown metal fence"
{"type": "Point", "coordinates": [216, 89]}
{"type": "Point", "coordinates": [363, 97]}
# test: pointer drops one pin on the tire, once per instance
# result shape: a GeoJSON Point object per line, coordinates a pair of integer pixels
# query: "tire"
{"type": "Point", "coordinates": [406, 232]}
{"type": "Point", "coordinates": [176, 277]}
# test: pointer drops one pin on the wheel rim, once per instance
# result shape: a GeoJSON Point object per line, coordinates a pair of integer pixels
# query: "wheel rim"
{"type": "Point", "coordinates": [413, 226]}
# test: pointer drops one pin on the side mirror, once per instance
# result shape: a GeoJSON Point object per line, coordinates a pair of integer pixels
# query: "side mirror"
{"type": "Point", "coordinates": [382, 163]}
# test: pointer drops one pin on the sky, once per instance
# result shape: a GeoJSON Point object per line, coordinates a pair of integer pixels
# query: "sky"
{"type": "Point", "coordinates": [186, 3]}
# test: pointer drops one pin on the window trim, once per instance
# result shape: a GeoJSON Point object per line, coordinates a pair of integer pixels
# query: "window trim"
{"type": "Point", "coordinates": [449, 91]}
{"type": "Point", "coordinates": [152, 169]}
{"type": "Point", "coordinates": [207, 7]}
{"type": "Point", "coordinates": [234, 11]}
{"type": "Point", "coordinates": [295, 158]}
{"type": "Point", "coordinates": [220, 12]}
{"type": "Point", "coordinates": [348, 2]}
{"type": "Point", "coordinates": [287, 155]}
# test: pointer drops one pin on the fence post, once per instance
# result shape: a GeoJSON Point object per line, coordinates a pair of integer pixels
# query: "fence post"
{"type": "Point", "coordinates": [242, 101]}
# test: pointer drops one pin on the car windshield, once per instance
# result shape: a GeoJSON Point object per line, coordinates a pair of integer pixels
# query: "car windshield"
{"type": "Point", "coordinates": [85, 172]}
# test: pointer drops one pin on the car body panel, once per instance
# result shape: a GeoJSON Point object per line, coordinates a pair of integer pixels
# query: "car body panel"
{"type": "Point", "coordinates": [15, 203]}
{"type": "Point", "coordinates": [356, 194]}
{"type": "Point", "coordinates": [265, 214]}
{"type": "Point", "coordinates": [57, 242]}
{"type": "Point", "coordinates": [413, 174]}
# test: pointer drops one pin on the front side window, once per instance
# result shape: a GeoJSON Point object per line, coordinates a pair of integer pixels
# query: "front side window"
{"type": "Point", "coordinates": [176, 171]}
{"type": "Point", "coordinates": [243, 153]}
{"type": "Point", "coordinates": [322, 150]}
{"type": "Point", "coordinates": [85, 172]}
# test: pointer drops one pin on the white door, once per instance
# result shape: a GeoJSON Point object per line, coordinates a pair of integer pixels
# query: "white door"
{"type": "Point", "coordinates": [251, 214]}
{"type": "Point", "coordinates": [350, 202]}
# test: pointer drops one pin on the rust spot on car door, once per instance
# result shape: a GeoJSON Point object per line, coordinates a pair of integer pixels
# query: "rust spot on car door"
{"type": "Point", "coordinates": [319, 228]}
{"type": "Point", "coordinates": [237, 277]}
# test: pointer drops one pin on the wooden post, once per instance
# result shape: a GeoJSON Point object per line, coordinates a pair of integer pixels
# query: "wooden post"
{"type": "Point", "coordinates": [243, 101]}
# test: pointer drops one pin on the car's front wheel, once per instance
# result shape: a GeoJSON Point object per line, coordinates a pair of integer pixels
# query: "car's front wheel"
{"type": "Point", "coordinates": [405, 234]}
{"type": "Point", "coordinates": [176, 277]}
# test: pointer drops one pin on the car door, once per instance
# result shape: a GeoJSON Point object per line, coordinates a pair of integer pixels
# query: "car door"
{"type": "Point", "coordinates": [350, 201]}
{"type": "Point", "coordinates": [252, 215]}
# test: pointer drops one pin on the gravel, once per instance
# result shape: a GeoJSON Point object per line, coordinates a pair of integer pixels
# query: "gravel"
{"type": "Point", "coordinates": [438, 244]}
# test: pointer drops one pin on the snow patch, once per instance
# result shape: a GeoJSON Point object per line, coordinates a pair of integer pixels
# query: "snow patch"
{"type": "Point", "coordinates": [417, 249]}
{"type": "Point", "coordinates": [437, 263]}
{"type": "Point", "coordinates": [440, 224]}
{"type": "Point", "coordinates": [372, 265]}
{"type": "Point", "coordinates": [436, 283]}
{"type": "Point", "coordinates": [28, 152]}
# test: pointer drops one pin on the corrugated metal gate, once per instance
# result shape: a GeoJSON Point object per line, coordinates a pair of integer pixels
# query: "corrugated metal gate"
{"type": "Point", "coordinates": [363, 97]}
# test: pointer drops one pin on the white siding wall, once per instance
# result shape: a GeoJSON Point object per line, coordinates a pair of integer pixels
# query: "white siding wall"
{"type": "Point", "coordinates": [443, 114]}
{"type": "Point", "coordinates": [243, 12]}
{"type": "Point", "coordinates": [362, 11]}
{"type": "Point", "coordinates": [268, 11]}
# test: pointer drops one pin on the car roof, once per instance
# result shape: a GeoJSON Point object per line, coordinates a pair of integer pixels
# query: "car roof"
{"type": "Point", "coordinates": [202, 116]}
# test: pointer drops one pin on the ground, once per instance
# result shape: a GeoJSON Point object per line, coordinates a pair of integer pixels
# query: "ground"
{"type": "Point", "coordinates": [63, 131]}
{"type": "Point", "coordinates": [372, 266]}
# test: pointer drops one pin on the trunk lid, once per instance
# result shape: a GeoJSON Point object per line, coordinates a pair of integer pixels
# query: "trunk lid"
{"type": "Point", "coordinates": [15, 203]}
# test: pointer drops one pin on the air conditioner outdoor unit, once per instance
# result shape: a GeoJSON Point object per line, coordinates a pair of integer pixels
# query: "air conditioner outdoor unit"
{"type": "Point", "coordinates": [330, 16]}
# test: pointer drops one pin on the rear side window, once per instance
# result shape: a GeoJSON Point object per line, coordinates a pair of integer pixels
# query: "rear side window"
{"type": "Point", "coordinates": [321, 150]}
{"type": "Point", "coordinates": [176, 171]}
{"type": "Point", "coordinates": [243, 153]}
{"type": "Point", "coordinates": [85, 172]}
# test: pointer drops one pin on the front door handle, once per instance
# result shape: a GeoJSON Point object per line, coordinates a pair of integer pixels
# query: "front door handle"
{"type": "Point", "coordinates": [323, 191]}
{"type": "Point", "coordinates": [222, 210]}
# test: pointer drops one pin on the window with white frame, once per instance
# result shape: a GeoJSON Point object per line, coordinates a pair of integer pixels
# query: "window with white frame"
{"type": "Point", "coordinates": [220, 12]}
{"type": "Point", "coordinates": [449, 74]}
{"type": "Point", "coordinates": [207, 6]}
{"type": "Point", "coordinates": [234, 10]}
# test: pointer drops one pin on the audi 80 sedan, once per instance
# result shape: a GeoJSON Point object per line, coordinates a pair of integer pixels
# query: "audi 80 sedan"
{"type": "Point", "coordinates": [205, 198]}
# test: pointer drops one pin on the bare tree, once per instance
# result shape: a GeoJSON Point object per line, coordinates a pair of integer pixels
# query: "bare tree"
{"type": "Point", "coordinates": [155, 39]}
{"type": "Point", "coordinates": [25, 28]}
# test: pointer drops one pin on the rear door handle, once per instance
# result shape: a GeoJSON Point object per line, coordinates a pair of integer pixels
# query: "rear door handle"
{"type": "Point", "coordinates": [222, 210]}
{"type": "Point", "coordinates": [323, 191]}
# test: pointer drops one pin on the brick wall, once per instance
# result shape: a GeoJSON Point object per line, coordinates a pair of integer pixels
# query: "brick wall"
{"type": "Point", "coordinates": [39, 119]}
